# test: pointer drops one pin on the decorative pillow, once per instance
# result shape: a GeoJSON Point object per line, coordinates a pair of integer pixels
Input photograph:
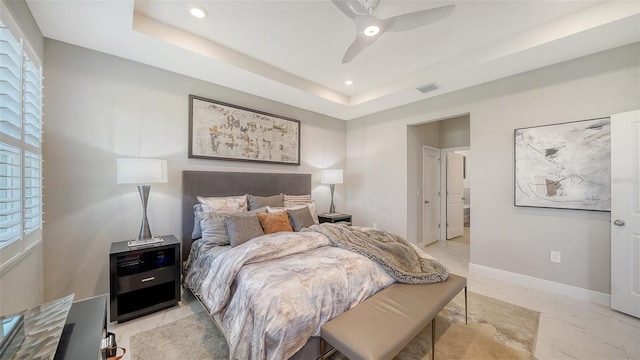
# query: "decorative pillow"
{"type": "Point", "coordinates": [300, 218]}
{"type": "Point", "coordinates": [213, 227]}
{"type": "Point", "coordinates": [228, 204]}
{"type": "Point", "coordinates": [243, 228]}
{"type": "Point", "coordinates": [197, 231]}
{"type": "Point", "coordinates": [275, 222]}
{"type": "Point", "coordinates": [295, 200]}
{"type": "Point", "coordinates": [311, 206]}
{"type": "Point", "coordinates": [262, 201]}
{"type": "Point", "coordinates": [314, 214]}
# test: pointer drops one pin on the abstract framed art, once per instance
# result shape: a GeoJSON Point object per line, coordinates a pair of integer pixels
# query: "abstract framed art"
{"type": "Point", "coordinates": [565, 166]}
{"type": "Point", "coordinates": [223, 131]}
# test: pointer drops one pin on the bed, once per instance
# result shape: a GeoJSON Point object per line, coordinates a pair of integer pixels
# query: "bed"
{"type": "Point", "coordinates": [270, 295]}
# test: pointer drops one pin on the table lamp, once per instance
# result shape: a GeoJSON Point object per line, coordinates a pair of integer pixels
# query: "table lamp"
{"type": "Point", "coordinates": [331, 177]}
{"type": "Point", "coordinates": [142, 172]}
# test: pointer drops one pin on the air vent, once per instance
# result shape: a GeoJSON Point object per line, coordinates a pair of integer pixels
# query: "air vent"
{"type": "Point", "coordinates": [429, 87]}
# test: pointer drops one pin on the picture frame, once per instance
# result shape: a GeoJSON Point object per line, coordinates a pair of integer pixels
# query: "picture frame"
{"type": "Point", "coordinates": [222, 131]}
{"type": "Point", "coordinates": [564, 166]}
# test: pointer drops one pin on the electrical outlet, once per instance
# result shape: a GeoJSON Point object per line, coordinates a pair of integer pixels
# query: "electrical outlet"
{"type": "Point", "coordinates": [555, 257]}
{"type": "Point", "coordinates": [375, 225]}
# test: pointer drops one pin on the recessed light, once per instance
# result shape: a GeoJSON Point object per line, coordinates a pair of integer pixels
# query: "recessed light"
{"type": "Point", "coordinates": [198, 11]}
{"type": "Point", "coordinates": [372, 30]}
{"type": "Point", "coordinates": [348, 82]}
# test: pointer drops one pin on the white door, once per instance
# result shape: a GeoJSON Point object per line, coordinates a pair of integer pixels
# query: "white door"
{"type": "Point", "coordinates": [430, 195]}
{"type": "Point", "coordinates": [455, 192]}
{"type": "Point", "coordinates": [625, 213]}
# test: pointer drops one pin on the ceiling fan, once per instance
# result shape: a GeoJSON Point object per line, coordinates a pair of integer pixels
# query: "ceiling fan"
{"type": "Point", "coordinates": [369, 28]}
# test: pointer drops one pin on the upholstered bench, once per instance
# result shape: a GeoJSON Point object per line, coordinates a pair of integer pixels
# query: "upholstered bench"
{"type": "Point", "coordinates": [382, 325]}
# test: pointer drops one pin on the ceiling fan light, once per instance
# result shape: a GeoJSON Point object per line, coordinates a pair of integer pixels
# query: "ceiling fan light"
{"type": "Point", "coordinates": [198, 11]}
{"type": "Point", "coordinates": [371, 30]}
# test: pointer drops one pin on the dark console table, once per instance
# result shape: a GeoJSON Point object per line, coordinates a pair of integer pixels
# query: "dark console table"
{"type": "Point", "coordinates": [84, 330]}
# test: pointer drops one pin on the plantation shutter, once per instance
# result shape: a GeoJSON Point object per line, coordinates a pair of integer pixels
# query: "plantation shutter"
{"type": "Point", "coordinates": [10, 129]}
{"type": "Point", "coordinates": [32, 103]}
{"type": "Point", "coordinates": [20, 146]}
{"type": "Point", "coordinates": [10, 188]}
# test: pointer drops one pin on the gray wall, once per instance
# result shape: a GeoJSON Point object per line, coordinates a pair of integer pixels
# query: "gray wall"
{"type": "Point", "coordinates": [99, 108]}
{"type": "Point", "coordinates": [504, 237]}
{"type": "Point", "coordinates": [21, 285]}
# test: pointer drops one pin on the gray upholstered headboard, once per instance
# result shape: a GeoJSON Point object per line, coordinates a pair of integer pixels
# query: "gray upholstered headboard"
{"type": "Point", "coordinates": [217, 183]}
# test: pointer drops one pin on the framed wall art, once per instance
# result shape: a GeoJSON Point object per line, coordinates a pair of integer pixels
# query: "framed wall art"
{"type": "Point", "coordinates": [223, 131]}
{"type": "Point", "coordinates": [565, 166]}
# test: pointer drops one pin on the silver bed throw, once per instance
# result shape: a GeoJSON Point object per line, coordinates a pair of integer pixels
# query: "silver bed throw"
{"type": "Point", "coordinates": [394, 254]}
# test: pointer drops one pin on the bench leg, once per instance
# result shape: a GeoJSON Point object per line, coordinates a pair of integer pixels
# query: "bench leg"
{"type": "Point", "coordinates": [433, 339]}
{"type": "Point", "coordinates": [322, 343]}
{"type": "Point", "coordinates": [465, 306]}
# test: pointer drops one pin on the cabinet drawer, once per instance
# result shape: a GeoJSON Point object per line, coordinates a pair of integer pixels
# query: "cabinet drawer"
{"type": "Point", "coordinates": [146, 279]}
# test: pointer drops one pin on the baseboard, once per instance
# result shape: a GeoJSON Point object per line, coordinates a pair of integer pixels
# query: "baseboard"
{"type": "Point", "coordinates": [545, 285]}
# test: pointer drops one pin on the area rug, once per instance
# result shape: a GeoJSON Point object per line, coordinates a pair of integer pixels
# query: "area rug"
{"type": "Point", "coordinates": [193, 337]}
{"type": "Point", "coordinates": [496, 330]}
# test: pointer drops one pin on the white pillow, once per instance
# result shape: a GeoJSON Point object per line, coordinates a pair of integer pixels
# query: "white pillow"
{"type": "Point", "coordinates": [228, 204]}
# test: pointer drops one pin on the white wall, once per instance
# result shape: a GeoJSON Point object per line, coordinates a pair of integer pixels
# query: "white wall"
{"type": "Point", "coordinates": [504, 237]}
{"type": "Point", "coordinates": [98, 108]}
{"type": "Point", "coordinates": [21, 285]}
{"type": "Point", "coordinates": [455, 132]}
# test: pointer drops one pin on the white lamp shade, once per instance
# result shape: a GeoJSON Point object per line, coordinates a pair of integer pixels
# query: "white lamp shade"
{"type": "Point", "coordinates": [141, 171]}
{"type": "Point", "coordinates": [331, 176]}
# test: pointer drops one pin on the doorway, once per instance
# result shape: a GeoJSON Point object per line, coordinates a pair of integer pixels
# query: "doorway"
{"type": "Point", "coordinates": [426, 143]}
{"type": "Point", "coordinates": [431, 194]}
{"type": "Point", "coordinates": [457, 194]}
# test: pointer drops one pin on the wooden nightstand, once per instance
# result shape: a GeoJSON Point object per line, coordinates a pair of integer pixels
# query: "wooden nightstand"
{"type": "Point", "coordinates": [143, 279]}
{"type": "Point", "coordinates": [334, 218]}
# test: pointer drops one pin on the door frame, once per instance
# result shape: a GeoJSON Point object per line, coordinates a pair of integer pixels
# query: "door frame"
{"type": "Point", "coordinates": [437, 150]}
{"type": "Point", "coordinates": [443, 188]}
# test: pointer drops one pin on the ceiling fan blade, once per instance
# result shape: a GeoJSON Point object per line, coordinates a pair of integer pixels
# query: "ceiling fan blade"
{"type": "Point", "coordinates": [351, 8]}
{"type": "Point", "coordinates": [417, 19]}
{"type": "Point", "coordinates": [357, 46]}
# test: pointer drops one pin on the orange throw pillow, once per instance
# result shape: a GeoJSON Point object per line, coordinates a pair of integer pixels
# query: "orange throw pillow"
{"type": "Point", "coordinates": [275, 222]}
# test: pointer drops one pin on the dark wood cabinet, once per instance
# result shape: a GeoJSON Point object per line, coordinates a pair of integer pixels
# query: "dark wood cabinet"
{"type": "Point", "coordinates": [84, 330]}
{"type": "Point", "coordinates": [143, 279]}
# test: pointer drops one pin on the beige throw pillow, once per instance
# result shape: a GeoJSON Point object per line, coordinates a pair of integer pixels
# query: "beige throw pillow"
{"type": "Point", "coordinates": [275, 222]}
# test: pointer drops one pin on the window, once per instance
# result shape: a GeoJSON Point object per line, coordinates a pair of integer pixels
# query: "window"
{"type": "Point", "coordinates": [20, 145]}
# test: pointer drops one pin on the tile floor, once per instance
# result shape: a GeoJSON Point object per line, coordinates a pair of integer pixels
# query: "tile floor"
{"type": "Point", "coordinates": [569, 329]}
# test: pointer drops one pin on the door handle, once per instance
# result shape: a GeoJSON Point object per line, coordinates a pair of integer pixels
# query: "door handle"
{"type": "Point", "coordinates": [619, 222]}
{"type": "Point", "coordinates": [426, 201]}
